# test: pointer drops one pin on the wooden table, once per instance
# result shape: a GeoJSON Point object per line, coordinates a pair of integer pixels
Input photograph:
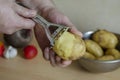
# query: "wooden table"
{"type": "Point", "coordinates": [40, 69]}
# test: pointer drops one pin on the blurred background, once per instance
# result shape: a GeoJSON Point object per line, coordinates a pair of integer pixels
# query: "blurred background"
{"type": "Point", "coordinates": [92, 14]}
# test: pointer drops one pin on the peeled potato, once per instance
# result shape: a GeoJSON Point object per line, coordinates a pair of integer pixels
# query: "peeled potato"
{"type": "Point", "coordinates": [88, 55]}
{"type": "Point", "coordinates": [69, 46]}
{"type": "Point", "coordinates": [93, 48]}
{"type": "Point", "coordinates": [113, 52]}
{"type": "Point", "coordinates": [106, 57]}
{"type": "Point", "coordinates": [105, 39]}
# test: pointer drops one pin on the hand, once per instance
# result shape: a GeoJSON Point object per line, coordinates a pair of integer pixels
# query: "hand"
{"type": "Point", "coordinates": [48, 11]}
{"type": "Point", "coordinates": [57, 17]}
{"type": "Point", "coordinates": [14, 17]}
{"type": "Point", "coordinates": [49, 54]}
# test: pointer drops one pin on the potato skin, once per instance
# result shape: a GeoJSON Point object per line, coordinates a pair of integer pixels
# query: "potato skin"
{"type": "Point", "coordinates": [105, 39]}
{"type": "Point", "coordinates": [93, 48]}
{"type": "Point", "coordinates": [69, 46]}
{"type": "Point", "coordinates": [89, 55]}
{"type": "Point", "coordinates": [106, 57]}
{"type": "Point", "coordinates": [113, 52]}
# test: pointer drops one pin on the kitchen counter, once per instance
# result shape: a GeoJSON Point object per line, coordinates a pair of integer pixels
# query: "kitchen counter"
{"type": "Point", "coordinates": [40, 69]}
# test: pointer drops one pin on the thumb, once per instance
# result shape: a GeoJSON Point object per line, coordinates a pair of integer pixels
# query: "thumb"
{"type": "Point", "coordinates": [75, 31]}
{"type": "Point", "coordinates": [25, 12]}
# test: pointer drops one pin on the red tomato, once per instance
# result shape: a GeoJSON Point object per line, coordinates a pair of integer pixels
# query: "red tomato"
{"type": "Point", "coordinates": [30, 52]}
{"type": "Point", "coordinates": [2, 48]}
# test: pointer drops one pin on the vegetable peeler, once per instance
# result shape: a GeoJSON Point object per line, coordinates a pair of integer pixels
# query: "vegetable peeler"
{"type": "Point", "coordinates": [46, 25]}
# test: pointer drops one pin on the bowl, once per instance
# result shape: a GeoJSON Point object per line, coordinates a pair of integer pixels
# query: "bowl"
{"type": "Point", "coordinates": [98, 66]}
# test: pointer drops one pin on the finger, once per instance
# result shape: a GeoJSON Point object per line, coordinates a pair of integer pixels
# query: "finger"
{"type": "Point", "coordinates": [8, 31]}
{"type": "Point", "coordinates": [62, 63]}
{"type": "Point", "coordinates": [24, 23]}
{"type": "Point", "coordinates": [46, 53]}
{"type": "Point", "coordinates": [58, 59]}
{"type": "Point", "coordinates": [65, 63]}
{"type": "Point", "coordinates": [25, 12]}
{"type": "Point", "coordinates": [52, 58]}
{"type": "Point", "coordinates": [75, 31]}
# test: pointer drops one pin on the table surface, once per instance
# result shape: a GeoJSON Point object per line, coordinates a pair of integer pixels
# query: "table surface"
{"type": "Point", "coordinates": [40, 69]}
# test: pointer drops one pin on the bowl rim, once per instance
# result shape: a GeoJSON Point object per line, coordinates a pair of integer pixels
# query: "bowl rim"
{"type": "Point", "coordinates": [100, 61]}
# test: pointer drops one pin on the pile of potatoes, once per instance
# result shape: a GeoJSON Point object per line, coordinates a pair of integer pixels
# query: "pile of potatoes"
{"type": "Point", "coordinates": [102, 46]}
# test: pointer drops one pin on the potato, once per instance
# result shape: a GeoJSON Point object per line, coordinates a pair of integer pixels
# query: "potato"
{"type": "Point", "coordinates": [105, 39]}
{"type": "Point", "coordinates": [113, 52]}
{"type": "Point", "coordinates": [88, 55]}
{"type": "Point", "coordinates": [106, 57]}
{"type": "Point", "coordinates": [118, 45]}
{"type": "Point", "coordinates": [69, 46]}
{"type": "Point", "coordinates": [93, 48]}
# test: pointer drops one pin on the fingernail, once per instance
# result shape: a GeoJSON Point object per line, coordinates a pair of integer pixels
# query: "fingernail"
{"type": "Point", "coordinates": [66, 62]}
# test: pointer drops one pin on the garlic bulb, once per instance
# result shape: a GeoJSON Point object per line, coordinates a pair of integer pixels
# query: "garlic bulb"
{"type": "Point", "coordinates": [10, 52]}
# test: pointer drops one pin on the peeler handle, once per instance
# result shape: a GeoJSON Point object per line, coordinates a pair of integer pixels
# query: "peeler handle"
{"type": "Point", "coordinates": [40, 20]}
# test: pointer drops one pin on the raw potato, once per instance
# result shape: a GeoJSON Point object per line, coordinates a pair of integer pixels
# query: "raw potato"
{"type": "Point", "coordinates": [113, 52]}
{"type": "Point", "coordinates": [105, 39]}
{"type": "Point", "coordinates": [69, 46]}
{"type": "Point", "coordinates": [106, 57]}
{"type": "Point", "coordinates": [88, 55]}
{"type": "Point", "coordinates": [93, 48]}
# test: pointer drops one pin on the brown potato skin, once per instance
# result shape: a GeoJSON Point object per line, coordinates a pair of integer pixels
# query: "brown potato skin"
{"type": "Point", "coordinates": [89, 55]}
{"type": "Point", "coordinates": [106, 57]}
{"type": "Point", "coordinates": [105, 39]}
{"type": "Point", "coordinates": [113, 52]}
{"type": "Point", "coordinates": [93, 47]}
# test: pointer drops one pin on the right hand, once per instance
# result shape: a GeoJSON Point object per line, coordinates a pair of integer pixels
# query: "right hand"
{"type": "Point", "coordinates": [14, 17]}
